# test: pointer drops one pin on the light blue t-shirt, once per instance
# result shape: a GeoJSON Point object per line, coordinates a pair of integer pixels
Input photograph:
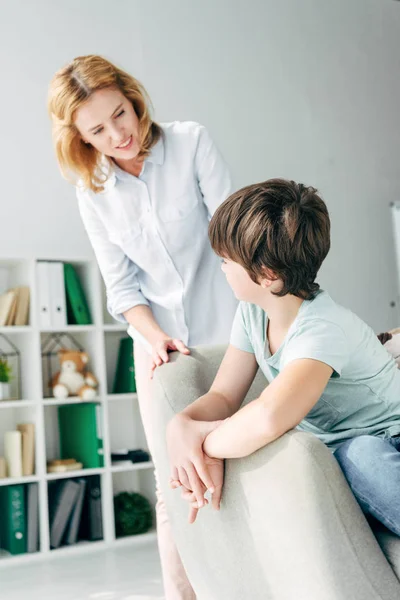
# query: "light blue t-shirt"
{"type": "Point", "coordinates": [363, 393]}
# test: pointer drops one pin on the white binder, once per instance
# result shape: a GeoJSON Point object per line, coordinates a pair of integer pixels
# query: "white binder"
{"type": "Point", "coordinates": [58, 305]}
{"type": "Point", "coordinates": [42, 273]}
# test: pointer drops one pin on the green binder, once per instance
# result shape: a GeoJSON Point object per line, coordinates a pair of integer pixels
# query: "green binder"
{"type": "Point", "coordinates": [80, 433]}
{"type": "Point", "coordinates": [78, 312]}
{"type": "Point", "coordinates": [124, 379]}
{"type": "Point", "coordinates": [13, 519]}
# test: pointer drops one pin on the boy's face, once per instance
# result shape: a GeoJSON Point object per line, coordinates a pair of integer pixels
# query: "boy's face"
{"type": "Point", "coordinates": [240, 281]}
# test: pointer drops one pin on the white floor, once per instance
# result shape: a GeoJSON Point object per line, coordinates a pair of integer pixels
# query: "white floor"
{"type": "Point", "coordinates": [120, 573]}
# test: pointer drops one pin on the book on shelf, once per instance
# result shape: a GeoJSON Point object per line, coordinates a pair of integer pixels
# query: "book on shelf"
{"type": "Point", "coordinates": [81, 433]}
{"type": "Point", "coordinates": [14, 307]}
{"type": "Point", "coordinates": [91, 527]}
{"type": "Point", "coordinates": [13, 453]}
{"type": "Point", "coordinates": [32, 505]}
{"type": "Point", "coordinates": [43, 294]}
{"type": "Point", "coordinates": [22, 312]}
{"type": "Point", "coordinates": [28, 447]}
{"type": "Point", "coordinates": [13, 519]}
{"type": "Point", "coordinates": [62, 497]}
{"type": "Point", "coordinates": [58, 302]}
{"type": "Point", "coordinates": [3, 467]}
{"type": "Point", "coordinates": [72, 530]}
{"type": "Point", "coordinates": [51, 294]}
{"type": "Point", "coordinates": [6, 304]}
{"type": "Point", "coordinates": [62, 465]}
{"type": "Point", "coordinates": [136, 455]}
{"type": "Point", "coordinates": [124, 380]}
{"type": "Point", "coordinates": [78, 312]}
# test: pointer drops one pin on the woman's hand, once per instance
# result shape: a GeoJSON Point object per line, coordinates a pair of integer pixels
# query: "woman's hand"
{"type": "Point", "coordinates": [161, 348]}
{"type": "Point", "coordinates": [188, 462]}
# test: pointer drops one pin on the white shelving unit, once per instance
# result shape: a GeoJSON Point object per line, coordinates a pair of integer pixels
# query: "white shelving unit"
{"type": "Point", "coordinates": [121, 423]}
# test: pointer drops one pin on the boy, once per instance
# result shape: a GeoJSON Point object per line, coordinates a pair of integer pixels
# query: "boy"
{"type": "Point", "coordinates": [328, 373]}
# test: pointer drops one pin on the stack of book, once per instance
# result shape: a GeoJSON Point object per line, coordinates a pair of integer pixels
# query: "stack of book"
{"type": "Point", "coordinates": [19, 451]}
{"type": "Point", "coordinates": [19, 523]}
{"type": "Point", "coordinates": [62, 300]}
{"type": "Point", "coordinates": [75, 510]}
{"type": "Point", "coordinates": [14, 306]}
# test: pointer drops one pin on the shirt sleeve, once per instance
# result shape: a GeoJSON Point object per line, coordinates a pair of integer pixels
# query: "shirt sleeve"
{"type": "Point", "coordinates": [212, 172]}
{"type": "Point", "coordinates": [118, 271]}
{"type": "Point", "coordinates": [240, 331]}
{"type": "Point", "coordinates": [319, 340]}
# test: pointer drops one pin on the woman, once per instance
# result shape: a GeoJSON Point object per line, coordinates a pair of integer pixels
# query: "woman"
{"type": "Point", "coordinates": [146, 193]}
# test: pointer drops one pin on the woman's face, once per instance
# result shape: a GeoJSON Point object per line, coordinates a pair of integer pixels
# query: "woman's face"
{"type": "Point", "coordinates": [107, 121]}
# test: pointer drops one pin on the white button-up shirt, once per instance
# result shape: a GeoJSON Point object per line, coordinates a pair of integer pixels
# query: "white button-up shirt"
{"type": "Point", "coordinates": [150, 237]}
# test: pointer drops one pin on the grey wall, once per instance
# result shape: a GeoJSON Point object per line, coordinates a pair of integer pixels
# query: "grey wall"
{"type": "Point", "coordinates": [305, 89]}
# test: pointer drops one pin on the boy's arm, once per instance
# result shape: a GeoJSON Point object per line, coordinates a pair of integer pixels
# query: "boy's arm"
{"type": "Point", "coordinates": [230, 386]}
{"type": "Point", "coordinates": [187, 431]}
{"type": "Point", "coordinates": [281, 406]}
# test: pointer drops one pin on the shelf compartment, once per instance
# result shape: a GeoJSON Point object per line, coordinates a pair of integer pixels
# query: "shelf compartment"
{"type": "Point", "coordinates": [88, 341]}
{"type": "Point", "coordinates": [75, 510]}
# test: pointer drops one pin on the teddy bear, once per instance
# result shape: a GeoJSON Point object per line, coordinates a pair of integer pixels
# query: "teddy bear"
{"type": "Point", "coordinates": [73, 379]}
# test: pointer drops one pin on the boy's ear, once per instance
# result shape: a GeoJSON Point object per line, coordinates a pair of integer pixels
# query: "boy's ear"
{"type": "Point", "coordinates": [268, 278]}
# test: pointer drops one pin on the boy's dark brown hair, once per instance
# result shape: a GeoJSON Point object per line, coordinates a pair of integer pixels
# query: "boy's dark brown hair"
{"type": "Point", "coordinates": [277, 225]}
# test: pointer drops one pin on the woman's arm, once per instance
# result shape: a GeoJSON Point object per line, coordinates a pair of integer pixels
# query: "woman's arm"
{"type": "Point", "coordinates": [142, 319]}
{"type": "Point", "coordinates": [118, 271]}
{"type": "Point", "coordinates": [212, 172]}
{"type": "Point", "coordinates": [125, 301]}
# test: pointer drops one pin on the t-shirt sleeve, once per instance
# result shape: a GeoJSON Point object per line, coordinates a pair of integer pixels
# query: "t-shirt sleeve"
{"type": "Point", "coordinates": [240, 334]}
{"type": "Point", "coordinates": [319, 340]}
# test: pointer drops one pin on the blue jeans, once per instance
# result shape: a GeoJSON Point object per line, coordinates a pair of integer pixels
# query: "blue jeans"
{"type": "Point", "coordinates": [371, 466]}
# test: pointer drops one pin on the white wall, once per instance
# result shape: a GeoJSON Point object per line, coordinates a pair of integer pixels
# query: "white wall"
{"type": "Point", "coordinates": [305, 89]}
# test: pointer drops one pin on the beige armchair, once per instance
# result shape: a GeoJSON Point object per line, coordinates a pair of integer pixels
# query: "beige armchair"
{"type": "Point", "coordinates": [289, 527]}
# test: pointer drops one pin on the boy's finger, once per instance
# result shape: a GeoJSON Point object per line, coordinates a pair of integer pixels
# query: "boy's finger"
{"type": "Point", "coordinates": [192, 515]}
{"type": "Point", "coordinates": [195, 505]}
{"type": "Point", "coordinates": [174, 484]}
{"type": "Point", "coordinates": [174, 474]}
{"type": "Point", "coordinates": [216, 498]}
{"type": "Point", "coordinates": [204, 474]}
{"type": "Point", "coordinates": [188, 495]}
{"type": "Point", "coordinates": [196, 485]}
{"type": "Point", "coordinates": [183, 478]}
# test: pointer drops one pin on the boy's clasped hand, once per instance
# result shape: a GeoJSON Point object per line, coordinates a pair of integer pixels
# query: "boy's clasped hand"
{"type": "Point", "coordinates": [191, 468]}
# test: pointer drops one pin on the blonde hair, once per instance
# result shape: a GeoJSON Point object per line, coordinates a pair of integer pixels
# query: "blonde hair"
{"type": "Point", "coordinates": [69, 89]}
